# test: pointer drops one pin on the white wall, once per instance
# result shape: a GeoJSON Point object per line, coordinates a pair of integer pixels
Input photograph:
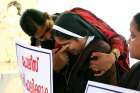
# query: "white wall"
{"type": "Point", "coordinates": [117, 13]}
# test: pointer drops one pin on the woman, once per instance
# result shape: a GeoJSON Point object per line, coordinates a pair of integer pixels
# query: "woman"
{"type": "Point", "coordinates": [132, 79]}
{"type": "Point", "coordinates": [38, 25]}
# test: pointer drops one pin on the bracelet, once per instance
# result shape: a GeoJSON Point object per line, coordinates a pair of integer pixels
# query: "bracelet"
{"type": "Point", "coordinates": [116, 57]}
{"type": "Point", "coordinates": [115, 53]}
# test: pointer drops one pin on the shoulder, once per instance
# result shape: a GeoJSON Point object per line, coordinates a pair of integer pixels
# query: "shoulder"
{"type": "Point", "coordinates": [134, 72]}
{"type": "Point", "coordinates": [132, 78]}
{"type": "Point", "coordinates": [136, 66]}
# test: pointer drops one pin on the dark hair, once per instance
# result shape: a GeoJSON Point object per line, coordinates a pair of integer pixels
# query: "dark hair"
{"type": "Point", "coordinates": [137, 20]}
{"type": "Point", "coordinates": [31, 19]}
{"type": "Point", "coordinates": [34, 41]}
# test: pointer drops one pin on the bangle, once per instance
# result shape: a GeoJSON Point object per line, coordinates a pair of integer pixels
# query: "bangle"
{"type": "Point", "coordinates": [115, 53]}
{"type": "Point", "coordinates": [116, 56]}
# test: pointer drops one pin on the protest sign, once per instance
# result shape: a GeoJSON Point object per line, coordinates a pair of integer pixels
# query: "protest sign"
{"type": "Point", "coordinates": [35, 66]}
{"type": "Point", "coordinates": [96, 87]}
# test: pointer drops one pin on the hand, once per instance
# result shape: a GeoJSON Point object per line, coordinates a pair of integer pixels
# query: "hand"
{"type": "Point", "coordinates": [101, 62]}
{"type": "Point", "coordinates": [60, 58]}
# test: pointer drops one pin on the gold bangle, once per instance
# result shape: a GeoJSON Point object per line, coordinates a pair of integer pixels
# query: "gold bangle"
{"type": "Point", "coordinates": [116, 54]}
{"type": "Point", "coordinates": [116, 57]}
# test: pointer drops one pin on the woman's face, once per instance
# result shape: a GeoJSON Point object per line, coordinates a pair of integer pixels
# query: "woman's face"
{"type": "Point", "coordinates": [74, 45]}
{"type": "Point", "coordinates": [134, 40]}
{"type": "Point", "coordinates": [44, 31]}
{"type": "Point", "coordinates": [42, 35]}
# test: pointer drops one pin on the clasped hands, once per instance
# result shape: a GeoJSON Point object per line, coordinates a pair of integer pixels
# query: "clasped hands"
{"type": "Point", "coordinates": [101, 62]}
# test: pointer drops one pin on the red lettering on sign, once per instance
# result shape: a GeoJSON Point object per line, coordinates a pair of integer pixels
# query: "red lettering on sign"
{"type": "Point", "coordinates": [30, 63]}
{"type": "Point", "coordinates": [32, 87]}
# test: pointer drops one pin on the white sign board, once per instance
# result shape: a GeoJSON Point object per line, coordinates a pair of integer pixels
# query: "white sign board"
{"type": "Point", "coordinates": [35, 66]}
{"type": "Point", "coordinates": [96, 87]}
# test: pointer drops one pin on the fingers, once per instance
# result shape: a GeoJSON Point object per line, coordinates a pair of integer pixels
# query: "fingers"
{"type": "Point", "coordinates": [96, 70]}
{"type": "Point", "coordinates": [64, 48]}
{"type": "Point", "coordinates": [97, 54]}
{"type": "Point", "coordinates": [100, 73]}
{"type": "Point", "coordinates": [60, 50]}
{"type": "Point", "coordinates": [93, 57]}
{"type": "Point", "coordinates": [54, 50]}
{"type": "Point", "coordinates": [60, 58]}
{"type": "Point", "coordinates": [94, 67]}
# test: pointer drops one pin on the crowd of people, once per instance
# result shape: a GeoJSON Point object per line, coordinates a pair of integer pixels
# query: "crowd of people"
{"type": "Point", "coordinates": [84, 48]}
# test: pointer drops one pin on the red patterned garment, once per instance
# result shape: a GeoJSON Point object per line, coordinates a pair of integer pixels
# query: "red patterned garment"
{"type": "Point", "coordinates": [115, 39]}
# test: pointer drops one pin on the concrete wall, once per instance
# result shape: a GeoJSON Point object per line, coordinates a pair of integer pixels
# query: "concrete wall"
{"type": "Point", "coordinates": [10, 32]}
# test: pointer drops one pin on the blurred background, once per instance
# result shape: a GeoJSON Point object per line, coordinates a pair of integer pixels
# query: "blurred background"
{"type": "Point", "coordinates": [117, 13]}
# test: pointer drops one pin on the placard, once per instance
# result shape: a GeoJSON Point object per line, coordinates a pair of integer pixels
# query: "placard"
{"type": "Point", "coordinates": [35, 66]}
{"type": "Point", "coordinates": [96, 87]}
